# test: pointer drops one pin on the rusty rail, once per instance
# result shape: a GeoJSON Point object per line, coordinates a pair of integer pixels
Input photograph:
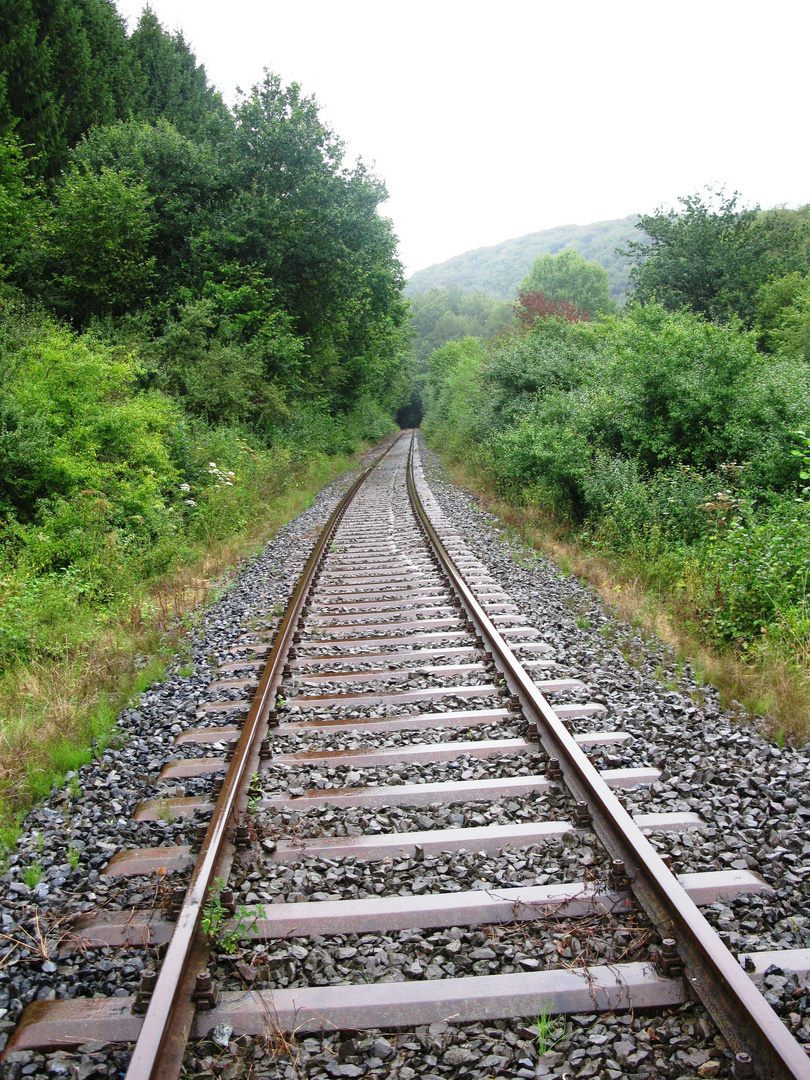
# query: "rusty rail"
{"type": "Point", "coordinates": [159, 1051]}
{"type": "Point", "coordinates": [750, 1025]}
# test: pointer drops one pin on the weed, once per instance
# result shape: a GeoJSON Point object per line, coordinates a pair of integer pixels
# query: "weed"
{"type": "Point", "coordinates": [165, 811]}
{"type": "Point", "coordinates": [74, 857]}
{"type": "Point", "coordinates": [223, 931]}
{"type": "Point", "coordinates": [74, 787]}
{"type": "Point", "coordinates": [583, 622]}
{"type": "Point", "coordinates": [33, 875]}
{"type": "Point", "coordinates": [545, 1030]}
{"type": "Point", "coordinates": [254, 792]}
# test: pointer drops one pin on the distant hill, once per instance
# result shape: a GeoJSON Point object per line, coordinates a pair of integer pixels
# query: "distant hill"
{"type": "Point", "coordinates": [498, 270]}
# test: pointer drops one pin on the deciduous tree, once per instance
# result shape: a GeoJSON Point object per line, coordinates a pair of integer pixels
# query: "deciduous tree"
{"type": "Point", "coordinates": [570, 278]}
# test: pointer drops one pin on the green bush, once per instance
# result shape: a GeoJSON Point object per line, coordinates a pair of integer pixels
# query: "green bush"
{"type": "Point", "coordinates": [656, 436]}
{"type": "Point", "coordinates": [757, 573]}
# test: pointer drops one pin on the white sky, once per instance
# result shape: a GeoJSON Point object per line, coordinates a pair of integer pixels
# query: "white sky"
{"type": "Point", "coordinates": [488, 121]}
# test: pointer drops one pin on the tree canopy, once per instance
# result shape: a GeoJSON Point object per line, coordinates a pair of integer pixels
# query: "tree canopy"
{"type": "Point", "coordinates": [136, 204]}
{"type": "Point", "coordinates": [569, 278]}
{"type": "Point", "coordinates": [714, 254]}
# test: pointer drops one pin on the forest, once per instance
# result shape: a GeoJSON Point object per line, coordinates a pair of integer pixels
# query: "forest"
{"type": "Point", "coordinates": [664, 446]}
{"type": "Point", "coordinates": [201, 316]}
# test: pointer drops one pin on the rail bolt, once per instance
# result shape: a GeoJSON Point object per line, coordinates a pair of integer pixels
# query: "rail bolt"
{"type": "Point", "coordinates": [145, 991]}
{"type": "Point", "coordinates": [553, 770]}
{"type": "Point", "coordinates": [296, 637]}
{"type": "Point", "coordinates": [582, 815]}
{"type": "Point", "coordinates": [272, 718]}
{"type": "Point", "coordinates": [618, 878]}
{"type": "Point", "coordinates": [514, 703]}
{"type": "Point", "coordinates": [200, 829]}
{"type": "Point", "coordinates": [667, 959]}
{"type": "Point", "coordinates": [265, 753]}
{"type": "Point", "coordinates": [178, 897]}
{"type": "Point", "coordinates": [286, 672]}
{"type": "Point", "coordinates": [216, 787]}
{"type": "Point", "coordinates": [228, 900]}
{"type": "Point", "coordinates": [231, 750]}
{"type": "Point", "coordinates": [242, 839]}
{"type": "Point", "coordinates": [292, 654]}
{"type": "Point", "coordinates": [205, 992]}
{"type": "Point", "coordinates": [743, 1066]}
{"type": "Point", "coordinates": [666, 859]}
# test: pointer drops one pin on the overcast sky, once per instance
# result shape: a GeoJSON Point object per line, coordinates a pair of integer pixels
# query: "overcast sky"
{"type": "Point", "coordinates": [488, 121]}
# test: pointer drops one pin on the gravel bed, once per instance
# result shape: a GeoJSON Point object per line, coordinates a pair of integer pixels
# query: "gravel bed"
{"type": "Point", "coordinates": [290, 778]}
{"type": "Point", "coordinates": [454, 952]}
{"type": "Point", "coordinates": [336, 821]}
{"type": "Point", "coordinates": [753, 794]}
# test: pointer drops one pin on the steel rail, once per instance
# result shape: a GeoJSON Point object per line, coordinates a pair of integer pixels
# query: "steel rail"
{"type": "Point", "coordinates": [159, 1050]}
{"type": "Point", "coordinates": [746, 1020]}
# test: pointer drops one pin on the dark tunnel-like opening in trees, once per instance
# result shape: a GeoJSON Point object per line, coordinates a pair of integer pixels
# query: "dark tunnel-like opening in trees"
{"type": "Point", "coordinates": [410, 415]}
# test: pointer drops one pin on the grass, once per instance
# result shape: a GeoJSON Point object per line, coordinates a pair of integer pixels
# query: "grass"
{"type": "Point", "coordinates": [33, 875]}
{"type": "Point", "coordinates": [57, 712]}
{"type": "Point", "coordinates": [545, 1030]}
{"type": "Point", "coordinates": [769, 684]}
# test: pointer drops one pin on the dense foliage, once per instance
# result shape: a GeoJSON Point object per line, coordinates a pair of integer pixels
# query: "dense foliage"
{"type": "Point", "coordinates": [668, 440]}
{"type": "Point", "coordinates": [442, 315]}
{"type": "Point", "coordinates": [182, 284]}
{"type": "Point", "coordinates": [715, 255]}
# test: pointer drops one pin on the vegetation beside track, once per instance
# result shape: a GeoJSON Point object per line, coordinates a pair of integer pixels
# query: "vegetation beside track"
{"type": "Point", "coordinates": [87, 654]}
{"type": "Point", "coordinates": [201, 320]}
{"type": "Point", "coordinates": [662, 451]}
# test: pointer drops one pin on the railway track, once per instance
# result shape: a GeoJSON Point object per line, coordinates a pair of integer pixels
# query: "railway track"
{"type": "Point", "coordinates": [402, 720]}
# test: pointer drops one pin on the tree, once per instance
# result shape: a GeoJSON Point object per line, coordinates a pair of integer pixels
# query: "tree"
{"type": "Point", "coordinates": [309, 225]}
{"type": "Point", "coordinates": [66, 67]}
{"type": "Point", "coordinates": [536, 305]}
{"type": "Point", "coordinates": [18, 208]}
{"type": "Point", "coordinates": [182, 178]}
{"type": "Point", "coordinates": [713, 256]}
{"type": "Point", "coordinates": [450, 314]}
{"type": "Point", "coordinates": [569, 277]}
{"type": "Point", "coordinates": [783, 321]}
{"type": "Point", "coordinates": [95, 252]}
{"type": "Point", "coordinates": [170, 84]}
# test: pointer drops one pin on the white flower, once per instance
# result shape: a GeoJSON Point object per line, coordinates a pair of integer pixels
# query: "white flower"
{"type": "Point", "coordinates": [212, 464]}
{"type": "Point", "coordinates": [190, 502]}
{"type": "Point", "coordinates": [185, 487]}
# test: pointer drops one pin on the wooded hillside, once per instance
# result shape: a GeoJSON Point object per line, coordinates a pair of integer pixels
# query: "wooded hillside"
{"type": "Point", "coordinates": [497, 271]}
